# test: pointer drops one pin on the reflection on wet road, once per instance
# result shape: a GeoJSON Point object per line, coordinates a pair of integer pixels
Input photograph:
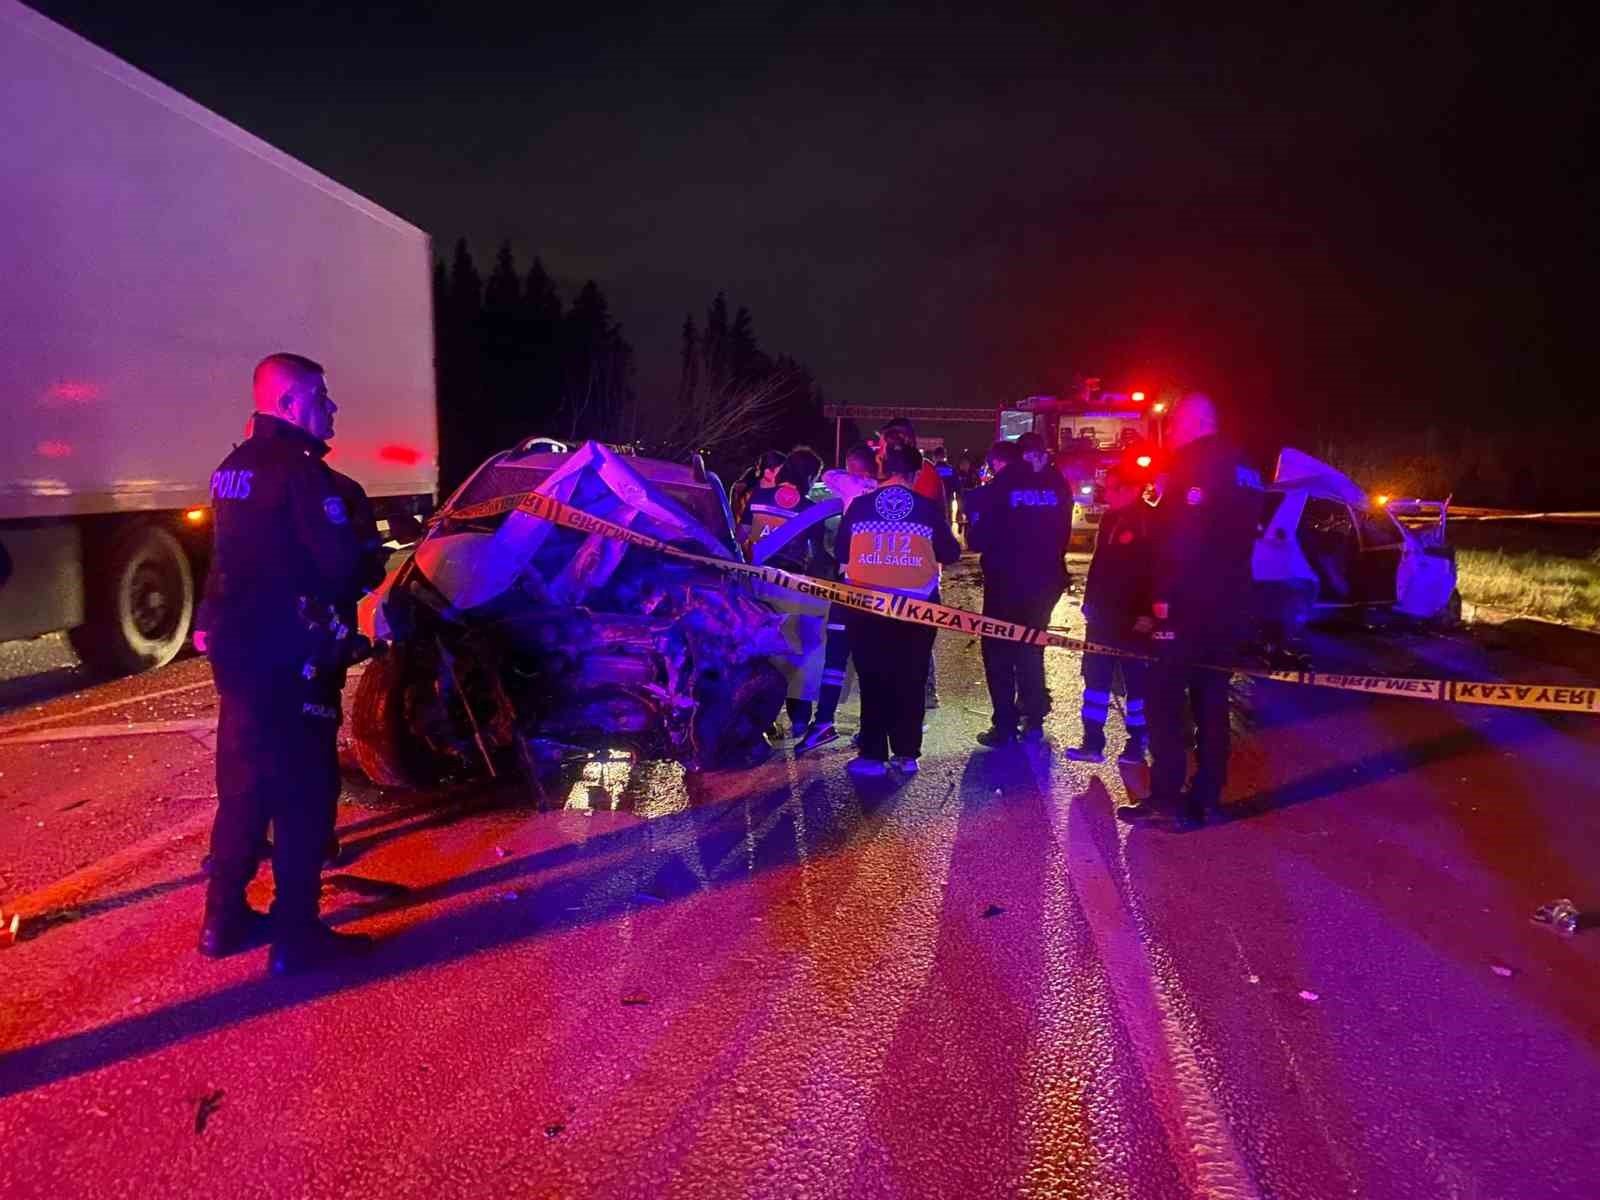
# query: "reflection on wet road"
{"type": "Point", "coordinates": [784, 983]}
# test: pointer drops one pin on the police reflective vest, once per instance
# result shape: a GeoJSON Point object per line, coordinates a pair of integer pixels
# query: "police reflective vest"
{"type": "Point", "coordinates": [895, 539]}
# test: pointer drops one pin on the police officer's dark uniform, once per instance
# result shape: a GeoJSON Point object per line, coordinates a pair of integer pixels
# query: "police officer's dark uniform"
{"type": "Point", "coordinates": [1203, 531]}
{"type": "Point", "coordinates": [1116, 594]}
{"type": "Point", "coordinates": [295, 545]}
{"type": "Point", "coordinates": [1021, 524]}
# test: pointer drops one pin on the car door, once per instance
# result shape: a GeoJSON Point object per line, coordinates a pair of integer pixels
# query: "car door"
{"type": "Point", "coordinates": [1328, 539]}
{"type": "Point", "coordinates": [1378, 560]}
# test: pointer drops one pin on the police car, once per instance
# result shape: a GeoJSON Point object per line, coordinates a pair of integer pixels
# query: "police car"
{"type": "Point", "coordinates": [1326, 547]}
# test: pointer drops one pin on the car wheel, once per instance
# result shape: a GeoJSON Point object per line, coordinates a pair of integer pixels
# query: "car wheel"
{"type": "Point", "coordinates": [1450, 615]}
{"type": "Point", "coordinates": [388, 750]}
{"type": "Point", "coordinates": [138, 600]}
{"type": "Point", "coordinates": [729, 726]}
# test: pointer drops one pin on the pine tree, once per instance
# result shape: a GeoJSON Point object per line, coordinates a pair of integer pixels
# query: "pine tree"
{"type": "Point", "coordinates": [459, 369]}
{"type": "Point", "coordinates": [504, 290]}
{"type": "Point", "coordinates": [689, 366]}
{"type": "Point", "coordinates": [466, 288]}
{"type": "Point", "coordinates": [540, 297]}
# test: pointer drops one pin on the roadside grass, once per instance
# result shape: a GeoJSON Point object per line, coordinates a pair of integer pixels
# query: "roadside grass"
{"type": "Point", "coordinates": [1533, 583]}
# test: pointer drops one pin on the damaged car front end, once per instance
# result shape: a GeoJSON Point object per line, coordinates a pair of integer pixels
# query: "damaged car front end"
{"type": "Point", "coordinates": [514, 639]}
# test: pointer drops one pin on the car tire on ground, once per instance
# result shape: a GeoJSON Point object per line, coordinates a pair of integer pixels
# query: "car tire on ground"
{"type": "Point", "coordinates": [388, 751]}
{"type": "Point", "coordinates": [729, 730]}
{"type": "Point", "coordinates": [1450, 615]}
{"type": "Point", "coordinates": [139, 598]}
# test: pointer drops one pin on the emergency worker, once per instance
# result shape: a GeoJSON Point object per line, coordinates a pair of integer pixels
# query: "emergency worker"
{"type": "Point", "coordinates": [893, 539]}
{"type": "Point", "coordinates": [1020, 523]}
{"type": "Point", "coordinates": [926, 482]}
{"type": "Point", "coordinates": [773, 503]}
{"type": "Point", "coordinates": [764, 474]}
{"type": "Point", "coordinates": [860, 475]}
{"type": "Point", "coordinates": [1116, 608]}
{"type": "Point", "coordinates": [900, 432]}
{"type": "Point", "coordinates": [806, 553]}
{"type": "Point", "coordinates": [1202, 533]}
{"type": "Point", "coordinates": [295, 547]}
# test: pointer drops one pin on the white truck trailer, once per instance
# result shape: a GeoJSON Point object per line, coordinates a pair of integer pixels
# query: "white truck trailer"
{"type": "Point", "coordinates": [153, 253]}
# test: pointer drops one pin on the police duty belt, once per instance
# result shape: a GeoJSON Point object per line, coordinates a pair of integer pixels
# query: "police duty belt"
{"type": "Point", "coordinates": [895, 606]}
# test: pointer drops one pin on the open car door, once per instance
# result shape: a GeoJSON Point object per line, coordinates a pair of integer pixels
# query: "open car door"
{"type": "Point", "coordinates": [1425, 580]}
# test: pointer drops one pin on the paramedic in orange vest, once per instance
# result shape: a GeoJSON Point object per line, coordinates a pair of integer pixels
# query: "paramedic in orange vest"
{"type": "Point", "coordinates": [893, 539]}
{"type": "Point", "coordinates": [926, 482]}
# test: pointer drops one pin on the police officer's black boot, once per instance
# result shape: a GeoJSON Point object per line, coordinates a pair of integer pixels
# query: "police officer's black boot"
{"type": "Point", "coordinates": [1093, 747]}
{"type": "Point", "coordinates": [997, 736]}
{"type": "Point", "coordinates": [230, 928]}
{"type": "Point", "coordinates": [314, 947]}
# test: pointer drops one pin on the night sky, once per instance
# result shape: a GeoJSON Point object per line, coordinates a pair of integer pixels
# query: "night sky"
{"type": "Point", "coordinates": [1323, 215]}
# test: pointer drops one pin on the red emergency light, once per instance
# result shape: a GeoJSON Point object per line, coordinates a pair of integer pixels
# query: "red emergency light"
{"type": "Point", "coordinates": [1142, 460]}
{"type": "Point", "coordinates": [1138, 397]}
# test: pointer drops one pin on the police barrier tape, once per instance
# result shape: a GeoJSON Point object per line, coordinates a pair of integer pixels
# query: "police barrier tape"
{"type": "Point", "coordinates": [1542, 697]}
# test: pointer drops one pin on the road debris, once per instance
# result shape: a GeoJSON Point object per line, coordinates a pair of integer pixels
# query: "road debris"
{"type": "Point", "coordinates": [208, 1105]}
{"type": "Point", "coordinates": [9, 929]}
{"type": "Point", "coordinates": [554, 1129]}
{"type": "Point", "coordinates": [994, 910]}
{"type": "Point", "coordinates": [1560, 915]}
{"type": "Point", "coordinates": [635, 998]}
{"type": "Point", "coordinates": [509, 896]}
{"type": "Point", "coordinates": [1502, 970]}
{"type": "Point", "coordinates": [1310, 995]}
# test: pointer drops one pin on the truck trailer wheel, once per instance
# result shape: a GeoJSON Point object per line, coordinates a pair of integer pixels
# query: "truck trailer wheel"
{"type": "Point", "coordinates": [138, 600]}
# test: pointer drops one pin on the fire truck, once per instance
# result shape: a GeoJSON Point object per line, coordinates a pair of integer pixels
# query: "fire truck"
{"type": "Point", "coordinates": [1086, 432]}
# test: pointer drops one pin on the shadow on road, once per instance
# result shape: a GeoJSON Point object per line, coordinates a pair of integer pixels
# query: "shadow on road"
{"type": "Point", "coordinates": [44, 685]}
{"type": "Point", "coordinates": [576, 884]}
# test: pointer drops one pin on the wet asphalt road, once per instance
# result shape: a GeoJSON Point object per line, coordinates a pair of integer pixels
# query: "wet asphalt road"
{"type": "Point", "coordinates": [784, 984]}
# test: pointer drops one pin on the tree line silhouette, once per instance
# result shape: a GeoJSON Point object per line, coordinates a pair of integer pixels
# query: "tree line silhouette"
{"type": "Point", "coordinates": [513, 360]}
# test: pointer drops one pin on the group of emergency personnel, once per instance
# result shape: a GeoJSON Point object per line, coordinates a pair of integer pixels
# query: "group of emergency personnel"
{"type": "Point", "coordinates": [1166, 595]}
{"type": "Point", "coordinates": [296, 545]}
{"type": "Point", "coordinates": [893, 535]}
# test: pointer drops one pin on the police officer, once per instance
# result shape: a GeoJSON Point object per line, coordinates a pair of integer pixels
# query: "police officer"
{"type": "Point", "coordinates": [1203, 530]}
{"type": "Point", "coordinates": [1020, 523]}
{"type": "Point", "coordinates": [893, 539]}
{"type": "Point", "coordinates": [1116, 609]}
{"type": "Point", "coordinates": [295, 546]}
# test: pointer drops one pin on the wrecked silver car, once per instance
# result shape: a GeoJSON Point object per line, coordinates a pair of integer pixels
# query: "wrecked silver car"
{"type": "Point", "coordinates": [513, 639]}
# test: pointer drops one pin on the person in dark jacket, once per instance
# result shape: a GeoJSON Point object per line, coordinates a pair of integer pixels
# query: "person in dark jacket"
{"type": "Point", "coordinates": [893, 539]}
{"type": "Point", "coordinates": [1202, 534]}
{"type": "Point", "coordinates": [1116, 610]}
{"type": "Point", "coordinates": [1020, 525]}
{"type": "Point", "coordinates": [295, 547]}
